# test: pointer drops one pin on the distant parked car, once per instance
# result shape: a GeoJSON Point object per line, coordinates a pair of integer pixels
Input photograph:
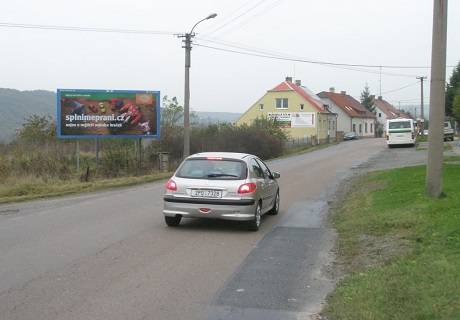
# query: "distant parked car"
{"type": "Point", "coordinates": [222, 185]}
{"type": "Point", "coordinates": [350, 136]}
{"type": "Point", "coordinates": [448, 131]}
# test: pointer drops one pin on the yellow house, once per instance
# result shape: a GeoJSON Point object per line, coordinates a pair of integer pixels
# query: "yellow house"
{"type": "Point", "coordinates": [296, 109]}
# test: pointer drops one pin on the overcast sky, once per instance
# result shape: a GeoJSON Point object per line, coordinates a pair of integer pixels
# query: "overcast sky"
{"type": "Point", "coordinates": [390, 32]}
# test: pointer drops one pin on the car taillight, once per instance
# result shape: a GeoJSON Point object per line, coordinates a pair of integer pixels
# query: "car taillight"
{"type": "Point", "coordinates": [171, 185]}
{"type": "Point", "coordinates": [247, 188]}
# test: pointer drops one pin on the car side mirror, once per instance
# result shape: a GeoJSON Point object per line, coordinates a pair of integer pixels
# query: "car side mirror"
{"type": "Point", "coordinates": [276, 175]}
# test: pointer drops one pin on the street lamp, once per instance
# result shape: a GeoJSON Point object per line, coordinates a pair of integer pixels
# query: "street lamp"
{"type": "Point", "coordinates": [188, 48]}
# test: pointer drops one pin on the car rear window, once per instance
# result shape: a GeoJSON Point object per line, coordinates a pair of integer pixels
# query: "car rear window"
{"type": "Point", "coordinates": [213, 169]}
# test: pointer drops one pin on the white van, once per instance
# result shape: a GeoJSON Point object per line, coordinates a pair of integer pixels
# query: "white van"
{"type": "Point", "coordinates": [400, 132]}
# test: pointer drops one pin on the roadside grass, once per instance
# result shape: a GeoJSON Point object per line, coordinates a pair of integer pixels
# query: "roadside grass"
{"type": "Point", "coordinates": [447, 147]}
{"type": "Point", "coordinates": [29, 188]}
{"type": "Point", "coordinates": [399, 249]}
{"type": "Point", "coordinates": [17, 189]}
{"type": "Point", "coordinates": [422, 138]}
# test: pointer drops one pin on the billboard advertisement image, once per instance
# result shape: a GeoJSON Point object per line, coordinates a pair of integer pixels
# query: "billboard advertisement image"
{"type": "Point", "coordinates": [108, 113]}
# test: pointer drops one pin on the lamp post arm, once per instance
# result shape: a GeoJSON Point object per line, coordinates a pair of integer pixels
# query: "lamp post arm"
{"type": "Point", "coordinates": [191, 31]}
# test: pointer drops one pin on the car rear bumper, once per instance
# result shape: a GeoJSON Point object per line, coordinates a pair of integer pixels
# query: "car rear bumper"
{"type": "Point", "coordinates": [238, 210]}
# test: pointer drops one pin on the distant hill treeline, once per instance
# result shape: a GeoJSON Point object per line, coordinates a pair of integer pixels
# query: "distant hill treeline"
{"type": "Point", "coordinates": [15, 106]}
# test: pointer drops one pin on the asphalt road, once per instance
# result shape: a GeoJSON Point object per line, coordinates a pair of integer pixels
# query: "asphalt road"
{"type": "Point", "coordinates": [109, 255]}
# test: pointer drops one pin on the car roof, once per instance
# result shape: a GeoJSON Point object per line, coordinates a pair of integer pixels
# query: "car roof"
{"type": "Point", "coordinates": [229, 155]}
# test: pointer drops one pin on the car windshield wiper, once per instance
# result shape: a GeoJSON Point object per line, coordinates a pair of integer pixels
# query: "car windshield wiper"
{"type": "Point", "coordinates": [215, 175]}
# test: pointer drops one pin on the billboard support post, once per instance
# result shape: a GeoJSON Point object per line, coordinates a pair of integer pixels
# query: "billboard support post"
{"type": "Point", "coordinates": [97, 153]}
{"type": "Point", "coordinates": [140, 153]}
{"type": "Point", "coordinates": [78, 155]}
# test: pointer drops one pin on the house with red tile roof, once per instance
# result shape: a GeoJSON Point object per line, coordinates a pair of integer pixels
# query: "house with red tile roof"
{"type": "Point", "coordinates": [385, 111]}
{"type": "Point", "coordinates": [352, 116]}
{"type": "Point", "coordinates": [296, 109]}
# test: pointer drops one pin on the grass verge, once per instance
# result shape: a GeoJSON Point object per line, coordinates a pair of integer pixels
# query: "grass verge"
{"type": "Point", "coordinates": [399, 249]}
{"type": "Point", "coordinates": [23, 189]}
{"type": "Point", "coordinates": [30, 188]}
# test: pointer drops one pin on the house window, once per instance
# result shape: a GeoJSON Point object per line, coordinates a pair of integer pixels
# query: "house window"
{"type": "Point", "coordinates": [372, 125]}
{"type": "Point", "coordinates": [329, 124]}
{"type": "Point", "coordinates": [281, 103]}
{"type": "Point", "coordinates": [365, 127]}
{"type": "Point", "coordinates": [360, 128]}
{"type": "Point", "coordinates": [261, 106]}
{"type": "Point", "coordinates": [354, 127]}
{"type": "Point", "coordinates": [301, 107]}
{"type": "Point", "coordinates": [380, 114]}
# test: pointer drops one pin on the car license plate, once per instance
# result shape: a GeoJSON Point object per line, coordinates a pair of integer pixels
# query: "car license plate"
{"type": "Point", "coordinates": [206, 193]}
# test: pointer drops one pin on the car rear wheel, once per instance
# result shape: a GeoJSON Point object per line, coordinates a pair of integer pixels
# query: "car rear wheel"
{"type": "Point", "coordinates": [276, 205]}
{"type": "Point", "coordinates": [254, 224]}
{"type": "Point", "coordinates": [173, 221]}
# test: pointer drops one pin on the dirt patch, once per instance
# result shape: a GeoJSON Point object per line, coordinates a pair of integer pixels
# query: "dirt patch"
{"type": "Point", "coordinates": [376, 251]}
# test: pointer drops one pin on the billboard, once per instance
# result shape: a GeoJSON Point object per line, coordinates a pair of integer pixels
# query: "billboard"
{"type": "Point", "coordinates": [108, 114]}
{"type": "Point", "coordinates": [293, 119]}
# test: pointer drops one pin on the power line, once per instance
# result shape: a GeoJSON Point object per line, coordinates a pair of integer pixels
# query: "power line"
{"type": "Point", "coordinates": [328, 64]}
{"type": "Point", "coordinates": [237, 17]}
{"type": "Point", "coordinates": [253, 17]}
{"type": "Point", "coordinates": [401, 88]}
{"type": "Point", "coordinates": [264, 51]}
{"type": "Point", "coordinates": [232, 14]}
{"type": "Point", "coordinates": [84, 29]}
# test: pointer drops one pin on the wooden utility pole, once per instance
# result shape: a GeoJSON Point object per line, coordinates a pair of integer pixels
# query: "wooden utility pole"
{"type": "Point", "coordinates": [437, 100]}
{"type": "Point", "coordinates": [421, 100]}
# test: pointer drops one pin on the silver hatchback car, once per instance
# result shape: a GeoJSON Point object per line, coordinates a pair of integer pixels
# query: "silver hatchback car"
{"type": "Point", "coordinates": [222, 185]}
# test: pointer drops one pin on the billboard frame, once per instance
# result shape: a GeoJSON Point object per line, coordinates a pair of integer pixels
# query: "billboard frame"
{"type": "Point", "coordinates": [106, 136]}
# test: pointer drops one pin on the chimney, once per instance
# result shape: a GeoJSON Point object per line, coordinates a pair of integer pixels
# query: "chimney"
{"type": "Point", "coordinates": [332, 89]}
{"type": "Point", "coordinates": [298, 83]}
{"type": "Point", "coordinates": [343, 92]}
{"type": "Point", "coordinates": [380, 97]}
{"type": "Point", "coordinates": [288, 79]}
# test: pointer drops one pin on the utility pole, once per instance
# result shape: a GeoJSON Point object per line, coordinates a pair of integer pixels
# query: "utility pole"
{"type": "Point", "coordinates": [188, 49]}
{"type": "Point", "coordinates": [77, 151]}
{"type": "Point", "coordinates": [421, 100]}
{"type": "Point", "coordinates": [437, 100]}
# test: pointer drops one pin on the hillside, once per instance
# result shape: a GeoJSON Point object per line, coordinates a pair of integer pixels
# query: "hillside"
{"type": "Point", "coordinates": [15, 106]}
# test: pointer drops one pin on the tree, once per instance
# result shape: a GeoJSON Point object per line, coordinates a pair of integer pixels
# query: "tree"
{"type": "Point", "coordinates": [367, 100]}
{"type": "Point", "coordinates": [37, 129]}
{"type": "Point", "coordinates": [456, 105]}
{"type": "Point", "coordinates": [452, 90]}
{"type": "Point", "coordinates": [172, 112]}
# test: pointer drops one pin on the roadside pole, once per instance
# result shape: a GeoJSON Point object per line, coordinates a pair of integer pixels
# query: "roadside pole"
{"type": "Point", "coordinates": [437, 100]}
{"type": "Point", "coordinates": [77, 151]}
{"type": "Point", "coordinates": [421, 102]}
{"type": "Point", "coordinates": [140, 153]}
{"type": "Point", "coordinates": [188, 48]}
{"type": "Point", "coordinates": [97, 154]}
